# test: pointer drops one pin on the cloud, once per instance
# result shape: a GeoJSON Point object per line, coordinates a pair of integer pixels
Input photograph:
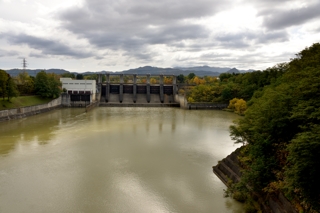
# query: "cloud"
{"type": "Point", "coordinates": [127, 33]}
{"type": "Point", "coordinates": [135, 26]}
{"type": "Point", "coordinates": [5, 53]}
{"type": "Point", "coordinates": [46, 46]}
{"type": "Point", "coordinates": [246, 39]}
{"type": "Point", "coordinates": [275, 19]}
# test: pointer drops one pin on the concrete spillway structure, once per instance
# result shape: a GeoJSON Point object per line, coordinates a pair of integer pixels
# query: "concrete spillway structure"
{"type": "Point", "coordinates": [138, 94]}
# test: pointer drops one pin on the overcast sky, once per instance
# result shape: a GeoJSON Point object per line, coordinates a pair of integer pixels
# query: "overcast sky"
{"type": "Point", "coordinates": [116, 35]}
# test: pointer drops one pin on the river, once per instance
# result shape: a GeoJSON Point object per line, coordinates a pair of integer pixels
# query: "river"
{"type": "Point", "coordinates": [115, 160]}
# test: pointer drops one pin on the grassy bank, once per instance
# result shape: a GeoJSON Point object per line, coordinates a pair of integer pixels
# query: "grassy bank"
{"type": "Point", "coordinates": [22, 101]}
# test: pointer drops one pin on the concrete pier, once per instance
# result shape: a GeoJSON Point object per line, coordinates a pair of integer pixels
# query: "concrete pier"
{"type": "Point", "coordinates": [107, 89]}
{"type": "Point", "coordinates": [148, 88]}
{"type": "Point", "coordinates": [121, 89]}
{"type": "Point", "coordinates": [161, 89]}
{"type": "Point", "coordinates": [134, 88]}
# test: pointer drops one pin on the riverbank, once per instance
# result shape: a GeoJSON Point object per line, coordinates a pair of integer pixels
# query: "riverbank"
{"type": "Point", "coordinates": [22, 112]}
{"type": "Point", "coordinates": [22, 101]}
{"type": "Point", "coordinates": [228, 171]}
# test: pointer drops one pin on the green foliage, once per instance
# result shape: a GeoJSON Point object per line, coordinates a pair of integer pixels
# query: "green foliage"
{"type": "Point", "coordinates": [12, 90]}
{"type": "Point", "coordinates": [79, 77]}
{"type": "Point", "coordinates": [68, 75]}
{"type": "Point", "coordinates": [22, 101]}
{"type": "Point", "coordinates": [25, 83]}
{"type": "Point", "coordinates": [205, 93]}
{"type": "Point", "coordinates": [225, 76]}
{"type": "Point", "coordinates": [3, 83]}
{"type": "Point", "coordinates": [8, 88]}
{"type": "Point", "coordinates": [242, 86]}
{"type": "Point", "coordinates": [191, 76]}
{"type": "Point", "coordinates": [180, 78]}
{"type": "Point", "coordinates": [281, 130]}
{"type": "Point", "coordinates": [303, 173]}
{"type": "Point", "coordinates": [47, 85]}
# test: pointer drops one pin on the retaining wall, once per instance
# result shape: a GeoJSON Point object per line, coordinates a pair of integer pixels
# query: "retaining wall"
{"type": "Point", "coordinates": [207, 106]}
{"type": "Point", "coordinates": [28, 111]}
{"type": "Point", "coordinates": [229, 168]}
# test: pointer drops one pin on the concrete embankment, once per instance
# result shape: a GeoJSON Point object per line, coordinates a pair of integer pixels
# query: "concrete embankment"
{"type": "Point", "coordinates": [140, 101]}
{"type": "Point", "coordinates": [207, 106]}
{"type": "Point", "coordinates": [28, 111]}
{"type": "Point", "coordinates": [229, 168]}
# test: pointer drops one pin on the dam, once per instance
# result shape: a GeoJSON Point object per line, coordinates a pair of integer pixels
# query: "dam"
{"type": "Point", "coordinates": [138, 90]}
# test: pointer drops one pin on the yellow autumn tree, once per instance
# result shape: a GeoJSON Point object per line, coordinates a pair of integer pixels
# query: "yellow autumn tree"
{"type": "Point", "coordinates": [167, 80]}
{"type": "Point", "coordinates": [240, 106]}
{"type": "Point", "coordinates": [232, 103]}
{"type": "Point", "coordinates": [190, 100]}
{"type": "Point", "coordinates": [153, 81]}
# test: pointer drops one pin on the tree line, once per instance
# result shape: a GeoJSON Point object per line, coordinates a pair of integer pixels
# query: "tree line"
{"type": "Point", "coordinates": [46, 85]}
{"type": "Point", "coordinates": [229, 86]}
{"type": "Point", "coordinates": [281, 131]}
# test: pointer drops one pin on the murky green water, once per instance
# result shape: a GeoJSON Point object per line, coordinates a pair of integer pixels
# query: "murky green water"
{"type": "Point", "coordinates": [115, 160]}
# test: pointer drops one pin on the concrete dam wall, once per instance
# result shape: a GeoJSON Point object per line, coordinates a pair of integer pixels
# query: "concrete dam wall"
{"type": "Point", "coordinates": [138, 94]}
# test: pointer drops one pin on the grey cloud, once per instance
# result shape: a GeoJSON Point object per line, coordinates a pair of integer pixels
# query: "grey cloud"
{"type": "Point", "coordinates": [142, 56]}
{"type": "Point", "coordinates": [273, 36]}
{"type": "Point", "coordinates": [36, 55]}
{"type": "Point", "coordinates": [172, 10]}
{"type": "Point", "coordinates": [246, 39]}
{"type": "Point", "coordinates": [46, 46]}
{"type": "Point", "coordinates": [134, 26]}
{"type": "Point", "coordinates": [214, 56]}
{"type": "Point", "coordinates": [235, 40]}
{"type": "Point", "coordinates": [175, 32]}
{"type": "Point", "coordinates": [5, 53]}
{"type": "Point", "coordinates": [282, 18]}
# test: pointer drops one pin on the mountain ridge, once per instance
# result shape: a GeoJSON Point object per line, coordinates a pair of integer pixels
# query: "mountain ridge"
{"type": "Point", "coordinates": [199, 71]}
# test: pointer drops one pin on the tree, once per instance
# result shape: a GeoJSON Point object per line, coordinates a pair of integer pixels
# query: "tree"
{"type": "Point", "coordinates": [240, 106]}
{"type": "Point", "coordinates": [68, 75]}
{"type": "Point", "coordinates": [191, 76]}
{"type": "Point", "coordinates": [47, 85]}
{"type": "Point", "coordinates": [153, 81]}
{"type": "Point", "coordinates": [80, 77]}
{"type": "Point", "coordinates": [42, 84]}
{"type": "Point", "coordinates": [180, 78]}
{"type": "Point", "coordinates": [12, 90]}
{"type": "Point", "coordinates": [167, 80]}
{"type": "Point", "coordinates": [232, 103]}
{"type": "Point", "coordinates": [25, 83]}
{"type": "Point", "coordinates": [281, 131]}
{"type": "Point", "coordinates": [302, 176]}
{"type": "Point", "coordinates": [3, 83]}
{"type": "Point", "coordinates": [55, 85]}
{"type": "Point", "coordinates": [225, 76]}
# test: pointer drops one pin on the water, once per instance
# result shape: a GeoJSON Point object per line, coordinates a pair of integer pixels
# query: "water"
{"type": "Point", "coordinates": [115, 160]}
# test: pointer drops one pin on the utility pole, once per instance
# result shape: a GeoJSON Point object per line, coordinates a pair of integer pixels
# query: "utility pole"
{"type": "Point", "coordinates": [24, 64]}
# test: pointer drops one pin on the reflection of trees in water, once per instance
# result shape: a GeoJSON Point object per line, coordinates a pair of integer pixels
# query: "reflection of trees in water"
{"type": "Point", "coordinates": [35, 128]}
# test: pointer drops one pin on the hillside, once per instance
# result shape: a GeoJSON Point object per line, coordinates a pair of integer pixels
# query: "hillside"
{"type": "Point", "coordinates": [199, 71]}
{"type": "Point", "coordinates": [33, 72]}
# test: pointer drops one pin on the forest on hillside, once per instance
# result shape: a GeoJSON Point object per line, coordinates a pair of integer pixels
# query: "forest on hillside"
{"type": "Point", "coordinates": [280, 132]}
{"type": "Point", "coordinates": [280, 129]}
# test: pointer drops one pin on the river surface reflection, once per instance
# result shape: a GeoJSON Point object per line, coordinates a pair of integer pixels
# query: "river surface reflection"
{"type": "Point", "coordinates": [115, 160]}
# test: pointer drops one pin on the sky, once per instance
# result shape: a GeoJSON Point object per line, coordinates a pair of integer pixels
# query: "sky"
{"type": "Point", "coordinates": [116, 35]}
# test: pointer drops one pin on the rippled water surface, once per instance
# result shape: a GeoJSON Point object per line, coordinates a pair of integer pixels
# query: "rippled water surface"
{"type": "Point", "coordinates": [115, 160]}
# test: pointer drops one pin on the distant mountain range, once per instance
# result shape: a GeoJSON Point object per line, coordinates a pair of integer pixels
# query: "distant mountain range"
{"type": "Point", "coordinates": [199, 71]}
{"type": "Point", "coordinates": [15, 72]}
